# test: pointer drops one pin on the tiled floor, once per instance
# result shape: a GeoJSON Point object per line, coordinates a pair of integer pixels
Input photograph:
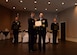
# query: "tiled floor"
{"type": "Point", "coordinates": [63, 48]}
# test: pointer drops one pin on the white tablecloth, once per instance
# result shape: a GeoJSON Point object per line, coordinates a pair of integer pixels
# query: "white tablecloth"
{"type": "Point", "coordinates": [51, 38]}
{"type": "Point", "coordinates": [48, 36]}
{"type": "Point", "coordinates": [23, 37]}
{"type": "Point", "coordinates": [20, 37]}
{"type": "Point", "coordinates": [46, 40]}
{"type": "Point", "coordinates": [26, 38]}
{"type": "Point", "coordinates": [3, 37]}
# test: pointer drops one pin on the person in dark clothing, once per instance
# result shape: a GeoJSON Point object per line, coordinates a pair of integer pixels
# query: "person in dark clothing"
{"type": "Point", "coordinates": [31, 32]}
{"type": "Point", "coordinates": [54, 28]}
{"type": "Point", "coordinates": [42, 31]}
{"type": "Point", "coordinates": [15, 28]}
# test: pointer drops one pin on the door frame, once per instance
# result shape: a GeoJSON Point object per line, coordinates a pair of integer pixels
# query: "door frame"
{"type": "Point", "coordinates": [65, 29]}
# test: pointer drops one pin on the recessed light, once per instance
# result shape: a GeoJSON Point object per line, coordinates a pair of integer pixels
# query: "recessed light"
{"type": "Point", "coordinates": [35, 2]}
{"type": "Point", "coordinates": [63, 3]}
{"type": "Point", "coordinates": [49, 2]}
{"type": "Point", "coordinates": [14, 7]}
{"type": "Point", "coordinates": [35, 8]}
{"type": "Point", "coordinates": [21, 1]}
{"type": "Point", "coordinates": [56, 9]}
{"type": "Point", "coordinates": [75, 4]}
{"type": "Point", "coordinates": [25, 8]}
{"type": "Point", "coordinates": [7, 0]}
{"type": "Point", "coordinates": [46, 9]}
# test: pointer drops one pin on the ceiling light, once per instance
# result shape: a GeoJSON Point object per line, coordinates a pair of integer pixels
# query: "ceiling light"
{"type": "Point", "coordinates": [35, 8]}
{"type": "Point", "coordinates": [7, 0]}
{"type": "Point", "coordinates": [35, 2]}
{"type": "Point", "coordinates": [14, 7]}
{"type": "Point", "coordinates": [46, 9]}
{"type": "Point", "coordinates": [21, 1]}
{"type": "Point", "coordinates": [75, 4]}
{"type": "Point", "coordinates": [63, 3]}
{"type": "Point", "coordinates": [56, 9]}
{"type": "Point", "coordinates": [49, 2]}
{"type": "Point", "coordinates": [25, 8]}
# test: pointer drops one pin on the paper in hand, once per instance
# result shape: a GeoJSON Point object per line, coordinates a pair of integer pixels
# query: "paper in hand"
{"type": "Point", "coordinates": [38, 23]}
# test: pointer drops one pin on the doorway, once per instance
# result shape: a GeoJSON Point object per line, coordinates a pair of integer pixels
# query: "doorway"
{"type": "Point", "coordinates": [63, 31]}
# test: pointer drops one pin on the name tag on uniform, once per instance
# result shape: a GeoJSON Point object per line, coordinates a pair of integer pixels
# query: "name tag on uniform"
{"type": "Point", "coordinates": [38, 23]}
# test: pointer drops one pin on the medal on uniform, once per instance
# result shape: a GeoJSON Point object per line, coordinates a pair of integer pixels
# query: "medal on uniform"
{"type": "Point", "coordinates": [17, 23]}
{"type": "Point", "coordinates": [43, 25]}
{"type": "Point", "coordinates": [43, 21]}
{"type": "Point", "coordinates": [32, 21]}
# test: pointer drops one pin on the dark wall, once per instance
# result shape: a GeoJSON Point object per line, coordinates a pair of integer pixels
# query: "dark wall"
{"type": "Point", "coordinates": [5, 18]}
{"type": "Point", "coordinates": [70, 17]}
{"type": "Point", "coordinates": [23, 17]}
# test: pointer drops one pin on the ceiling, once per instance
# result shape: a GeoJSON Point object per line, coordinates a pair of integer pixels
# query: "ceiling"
{"type": "Point", "coordinates": [41, 5]}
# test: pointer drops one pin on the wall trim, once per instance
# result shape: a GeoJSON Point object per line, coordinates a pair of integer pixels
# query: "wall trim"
{"type": "Point", "coordinates": [71, 39]}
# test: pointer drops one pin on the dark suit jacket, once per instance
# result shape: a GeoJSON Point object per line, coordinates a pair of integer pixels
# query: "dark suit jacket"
{"type": "Point", "coordinates": [54, 26]}
{"type": "Point", "coordinates": [44, 25]}
{"type": "Point", "coordinates": [15, 25]}
{"type": "Point", "coordinates": [31, 23]}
